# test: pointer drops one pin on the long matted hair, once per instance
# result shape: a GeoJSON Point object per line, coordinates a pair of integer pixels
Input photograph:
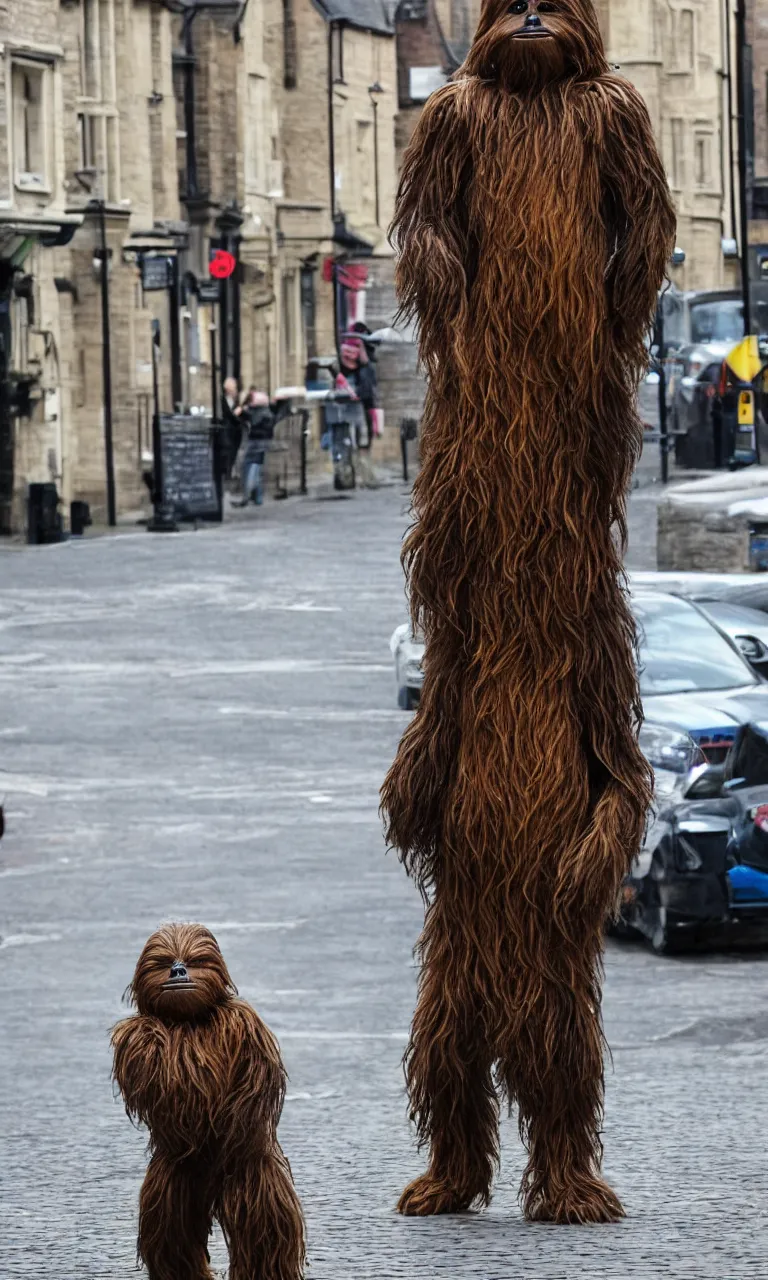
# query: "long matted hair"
{"type": "Point", "coordinates": [533, 226]}
{"type": "Point", "coordinates": [200, 1069]}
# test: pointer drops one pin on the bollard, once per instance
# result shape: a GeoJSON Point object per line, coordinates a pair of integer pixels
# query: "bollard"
{"type": "Point", "coordinates": [408, 431]}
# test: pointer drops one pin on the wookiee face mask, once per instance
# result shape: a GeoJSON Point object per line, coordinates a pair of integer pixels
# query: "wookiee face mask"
{"type": "Point", "coordinates": [528, 44]}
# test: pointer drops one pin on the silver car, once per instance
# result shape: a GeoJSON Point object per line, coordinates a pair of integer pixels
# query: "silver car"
{"type": "Point", "coordinates": [408, 653]}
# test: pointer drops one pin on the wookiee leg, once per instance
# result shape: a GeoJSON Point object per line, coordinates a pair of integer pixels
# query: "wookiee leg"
{"type": "Point", "coordinates": [175, 1221]}
{"type": "Point", "coordinates": [554, 1070]}
{"type": "Point", "coordinates": [260, 1215]}
{"type": "Point", "coordinates": [448, 1074]}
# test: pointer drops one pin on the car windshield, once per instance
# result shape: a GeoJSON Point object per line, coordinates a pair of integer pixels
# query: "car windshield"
{"type": "Point", "coordinates": [717, 321]}
{"type": "Point", "coordinates": [681, 651]}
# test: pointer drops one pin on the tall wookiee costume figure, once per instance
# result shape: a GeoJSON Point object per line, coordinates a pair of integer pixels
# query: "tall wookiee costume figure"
{"type": "Point", "coordinates": [534, 224]}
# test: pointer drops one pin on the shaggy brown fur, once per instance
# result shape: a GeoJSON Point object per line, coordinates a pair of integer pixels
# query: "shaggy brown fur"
{"type": "Point", "coordinates": [534, 224]}
{"type": "Point", "coordinates": [200, 1069]}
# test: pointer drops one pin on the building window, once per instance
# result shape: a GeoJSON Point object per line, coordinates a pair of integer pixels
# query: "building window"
{"type": "Point", "coordinates": [678, 158]}
{"type": "Point", "coordinates": [30, 90]}
{"type": "Point", "coordinates": [256, 134]}
{"type": "Point", "coordinates": [422, 81]}
{"type": "Point", "coordinates": [97, 115]}
{"type": "Point", "coordinates": [684, 39]}
{"type": "Point", "coordinates": [702, 159]}
{"type": "Point", "coordinates": [290, 47]}
{"type": "Point", "coordinates": [307, 289]}
{"type": "Point", "coordinates": [289, 321]}
{"type": "Point", "coordinates": [364, 165]}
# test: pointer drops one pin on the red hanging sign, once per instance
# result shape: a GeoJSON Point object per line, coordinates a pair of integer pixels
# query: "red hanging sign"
{"type": "Point", "coordinates": [222, 264]}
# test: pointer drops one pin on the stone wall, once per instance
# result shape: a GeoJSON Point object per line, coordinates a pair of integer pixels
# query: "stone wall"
{"type": "Point", "coordinates": [693, 538]}
{"type": "Point", "coordinates": [704, 524]}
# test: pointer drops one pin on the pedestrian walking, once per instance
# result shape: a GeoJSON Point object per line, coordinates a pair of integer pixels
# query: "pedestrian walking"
{"type": "Point", "coordinates": [358, 369]}
{"type": "Point", "coordinates": [259, 425]}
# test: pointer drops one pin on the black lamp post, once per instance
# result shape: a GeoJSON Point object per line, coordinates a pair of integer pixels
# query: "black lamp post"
{"type": "Point", "coordinates": [374, 93]}
{"type": "Point", "coordinates": [741, 107]}
{"type": "Point", "coordinates": [677, 259]}
{"type": "Point", "coordinates": [98, 207]}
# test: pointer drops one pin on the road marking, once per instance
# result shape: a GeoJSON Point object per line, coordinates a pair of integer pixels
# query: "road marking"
{"type": "Point", "coordinates": [142, 668]}
{"type": "Point", "coordinates": [28, 939]}
{"type": "Point", "coordinates": [308, 714]}
{"type": "Point", "coordinates": [341, 1035]}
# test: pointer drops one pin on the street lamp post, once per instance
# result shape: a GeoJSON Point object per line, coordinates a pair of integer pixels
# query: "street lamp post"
{"type": "Point", "coordinates": [106, 365]}
{"type": "Point", "coordinates": [677, 259]}
{"type": "Point", "coordinates": [741, 107]}
{"type": "Point", "coordinates": [374, 92]}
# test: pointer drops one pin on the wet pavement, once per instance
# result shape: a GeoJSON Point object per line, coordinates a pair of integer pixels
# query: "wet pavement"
{"type": "Point", "coordinates": [197, 727]}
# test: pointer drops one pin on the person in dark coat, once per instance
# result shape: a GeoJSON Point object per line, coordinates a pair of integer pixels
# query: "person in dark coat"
{"type": "Point", "coordinates": [358, 370]}
{"type": "Point", "coordinates": [259, 428]}
{"type": "Point", "coordinates": [231, 412]}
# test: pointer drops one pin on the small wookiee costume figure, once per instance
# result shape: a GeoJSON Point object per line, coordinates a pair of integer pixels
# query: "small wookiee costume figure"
{"type": "Point", "coordinates": [533, 224]}
{"type": "Point", "coordinates": [200, 1069]}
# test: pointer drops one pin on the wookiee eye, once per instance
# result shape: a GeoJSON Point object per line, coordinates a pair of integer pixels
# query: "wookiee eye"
{"type": "Point", "coordinates": [546, 7]}
{"type": "Point", "coordinates": [519, 6]}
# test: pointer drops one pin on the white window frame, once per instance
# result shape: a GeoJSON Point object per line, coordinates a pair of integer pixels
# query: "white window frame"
{"type": "Point", "coordinates": [43, 66]}
{"type": "Point", "coordinates": [258, 126]}
{"type": "Point", "coordinates": [100, 108]}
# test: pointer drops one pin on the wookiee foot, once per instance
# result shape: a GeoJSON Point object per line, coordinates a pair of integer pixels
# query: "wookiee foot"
{"type": "Point", "coordinates": [582, 1199]}
{"type": "Point", "coordinates": [430, 1195]}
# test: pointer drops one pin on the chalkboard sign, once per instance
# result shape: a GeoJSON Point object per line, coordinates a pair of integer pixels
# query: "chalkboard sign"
{"type": "Point", "coordinates": [189, 476]}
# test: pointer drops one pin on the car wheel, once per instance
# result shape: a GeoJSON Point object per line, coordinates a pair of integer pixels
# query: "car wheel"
{"type": "Point", "coordinates": [402, 699]}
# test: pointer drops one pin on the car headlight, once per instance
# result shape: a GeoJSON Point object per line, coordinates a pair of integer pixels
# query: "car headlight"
{"type": "Point", "coordinates": [671, 752]}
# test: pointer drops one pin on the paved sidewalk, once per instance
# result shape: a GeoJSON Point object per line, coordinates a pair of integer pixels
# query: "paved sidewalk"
{"type": "Point", "coordinates": [197, 727]}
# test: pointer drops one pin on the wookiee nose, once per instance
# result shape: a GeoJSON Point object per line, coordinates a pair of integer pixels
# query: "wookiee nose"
{"type": "Point", "coordinates": [178, 970]}
{"type": "Point", "coordinates": [533, 20]}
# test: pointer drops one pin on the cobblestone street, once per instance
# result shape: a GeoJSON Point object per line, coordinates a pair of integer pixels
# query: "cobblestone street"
{"type": "Point", "coordinates": [197, 727]}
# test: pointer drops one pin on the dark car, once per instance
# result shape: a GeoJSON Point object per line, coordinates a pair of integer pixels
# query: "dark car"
{"type": "Point", "coordinates": [698, 693]}
{"type": "Point", "coordinates": [701, 878]}
{"type": "Point", "coordinates": [701, 327]}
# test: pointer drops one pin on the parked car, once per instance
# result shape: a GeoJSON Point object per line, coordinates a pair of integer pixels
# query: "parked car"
{"type": "Point", "coordinates": [700, 328]}
{"type": "Point", "coordinates": [736, 603]}
{"type": "Point", "coordinates": [408, 653]}
{"type": "Point", "coordinates": [698, 691]}
{"type": "Point", "coordinates": [692, 673]}
{"type": "Point", "coordinates": [701, 877]}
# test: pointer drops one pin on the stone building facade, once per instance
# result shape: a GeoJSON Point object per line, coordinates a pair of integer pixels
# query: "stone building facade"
{"type": "Point", "coordinates": [677, 56]}
{"type": "Point", "coordinates": [168, 137]}
{"type": "Point", "coordinates": [35, 226]}
{"type": "Point", "coordinates": [338, 102]}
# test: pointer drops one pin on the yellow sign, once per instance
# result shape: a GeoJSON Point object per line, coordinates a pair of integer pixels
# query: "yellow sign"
{"type": "Point", "coordinates": [746, 409]}
{"type": "Point", "coordinates": [745, 359]}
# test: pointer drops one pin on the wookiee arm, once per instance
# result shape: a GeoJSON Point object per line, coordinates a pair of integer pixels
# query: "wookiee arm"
{"type": "Point", "coordinates": [139, 1045]}
{"type": "Point", "coordinates": [255, 1092]}
{"type": "Point", "coordinates": [429, 230]}
{"type": "Point", "coordinates": [638, 213]}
